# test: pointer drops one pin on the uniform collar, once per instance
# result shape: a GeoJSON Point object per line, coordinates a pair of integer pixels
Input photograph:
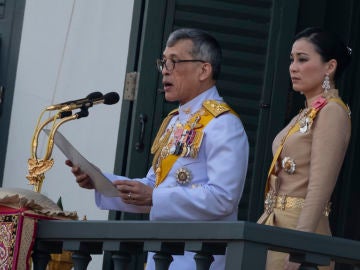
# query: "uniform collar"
{"type": "Point", "coordinates": [195, 104]}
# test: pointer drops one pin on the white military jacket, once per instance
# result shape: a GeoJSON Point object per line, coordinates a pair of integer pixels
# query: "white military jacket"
{"type": "Point", "coordinates": [217, 179]}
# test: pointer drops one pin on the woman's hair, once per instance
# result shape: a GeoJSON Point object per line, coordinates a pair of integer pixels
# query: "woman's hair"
{"type": "Point", "coordinates": [205, 46]}
{"type": "Point", "coordinates": [329, 46]}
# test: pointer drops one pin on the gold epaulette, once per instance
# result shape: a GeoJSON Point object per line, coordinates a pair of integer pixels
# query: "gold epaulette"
{"type": "Point", "coordinates": [216, 108]}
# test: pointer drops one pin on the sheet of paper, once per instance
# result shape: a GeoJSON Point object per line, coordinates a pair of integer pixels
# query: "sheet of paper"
{"type": "Point", "coordinates": [101, 183]}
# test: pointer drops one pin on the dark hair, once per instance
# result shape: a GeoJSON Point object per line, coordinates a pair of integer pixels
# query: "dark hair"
{"type": "Point", "coordinates": [329, 46]}
{"type": "Point", "coordinates": [205, 46]}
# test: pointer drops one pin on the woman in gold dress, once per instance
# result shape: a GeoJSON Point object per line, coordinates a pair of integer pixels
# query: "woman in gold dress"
{"type": "Point", "coordinates": [309, 151]}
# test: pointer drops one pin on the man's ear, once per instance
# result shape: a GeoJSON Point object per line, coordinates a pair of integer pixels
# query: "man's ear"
{"type": "Point", "coordinates": [206, 71]}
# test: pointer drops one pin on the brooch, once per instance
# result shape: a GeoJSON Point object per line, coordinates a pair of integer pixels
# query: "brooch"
{"type": "Point", "coordinates": [306, 120]}
{"type": "Point", "coordinates": [183, 176]}
{"type": "Point", "coordinates": [288, 164]}
{"type": "Point", "coordinates": [304, 125]}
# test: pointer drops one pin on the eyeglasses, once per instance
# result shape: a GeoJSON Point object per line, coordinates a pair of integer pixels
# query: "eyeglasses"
{"type": "Point", "coordinates": [169, 64]}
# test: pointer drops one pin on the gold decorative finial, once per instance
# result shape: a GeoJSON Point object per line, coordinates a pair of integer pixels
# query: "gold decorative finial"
{"type": "Point", "coordinates": [38, 166]}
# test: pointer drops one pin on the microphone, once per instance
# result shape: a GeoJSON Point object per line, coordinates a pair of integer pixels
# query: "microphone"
{"type": "Point", "coordinates": [108, 99]}
{"type": "Point", "coordinates": [91, 96]}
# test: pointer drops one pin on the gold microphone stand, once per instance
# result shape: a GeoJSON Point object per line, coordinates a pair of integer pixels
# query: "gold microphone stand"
{"type": "Point", "coordinates": [38, 166]}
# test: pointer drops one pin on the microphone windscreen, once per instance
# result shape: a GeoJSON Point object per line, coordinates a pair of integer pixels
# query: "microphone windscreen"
{"type": "Point", "coordinates": [94, 95]}
{"type": "Point", "coordinates": [111, 98]}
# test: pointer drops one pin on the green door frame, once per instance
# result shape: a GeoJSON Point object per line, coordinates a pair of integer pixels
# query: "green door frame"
{"type": "Point", "coordinates": [146, 22]}
{"type": "Point", "coordinates": [11, 21]}
{"type": "Point", "coordinates": [275, 97]}
{"type": "Point", "coordinates": [151, 28]}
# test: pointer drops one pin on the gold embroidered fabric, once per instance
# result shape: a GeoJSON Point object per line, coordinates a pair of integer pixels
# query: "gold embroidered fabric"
{"type": "Point", "coordinates": [17, 235]}
{"type": "Point", "coordinates": [284, 202]}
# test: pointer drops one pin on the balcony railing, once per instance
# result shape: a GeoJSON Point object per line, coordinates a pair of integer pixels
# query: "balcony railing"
{"type": "Point", "coordinates": [246, 243]}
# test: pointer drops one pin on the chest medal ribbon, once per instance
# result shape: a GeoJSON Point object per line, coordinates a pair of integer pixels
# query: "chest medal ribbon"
{"type": "Point", "coordinates": [182, 140]}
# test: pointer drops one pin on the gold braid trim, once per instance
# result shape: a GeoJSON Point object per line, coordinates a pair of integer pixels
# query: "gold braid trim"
{"type": "Point", "coordinates": [161, 138]}
{"type": "Point", "coordinates": [161, 130]}
{"type": "Point", "coordinates": [216, 108]}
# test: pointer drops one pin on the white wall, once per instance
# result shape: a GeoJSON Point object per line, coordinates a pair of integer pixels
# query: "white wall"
{"type": "Point", "coordinates": [69, 48]}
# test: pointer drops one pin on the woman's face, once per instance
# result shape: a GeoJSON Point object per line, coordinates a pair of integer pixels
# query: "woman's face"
{"type": "Point", "coordinates": [307, 69]}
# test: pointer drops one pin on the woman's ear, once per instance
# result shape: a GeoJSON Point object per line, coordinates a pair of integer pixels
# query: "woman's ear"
{"type": "Point", "coordinates": [331, 67]}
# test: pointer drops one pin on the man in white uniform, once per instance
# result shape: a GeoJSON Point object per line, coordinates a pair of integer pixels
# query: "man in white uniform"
{"type": "Point", "coordinates": [200, 152]}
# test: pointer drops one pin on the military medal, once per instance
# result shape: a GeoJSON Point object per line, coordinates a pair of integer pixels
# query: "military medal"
{"type": "Point", "coordinates": [172, 149]}
{"type": "Point", "coordinates": [178, 148]}
{"type": "Point", "coordinates": [164, 152]}
{"type": "Point", "coordinates": [183, 176]}
{"type": "Point", "coordinates": [178, 132]}
{"type": "Point", "coordinates": [196, 144]}
{"type": "Point", "coordinates": [190, 137]}
{"type": "Point", "coordinates": [288, 164]}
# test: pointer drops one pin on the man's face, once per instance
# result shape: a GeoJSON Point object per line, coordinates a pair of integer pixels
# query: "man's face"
{"type": "Point", "coordinates": [182, 83]}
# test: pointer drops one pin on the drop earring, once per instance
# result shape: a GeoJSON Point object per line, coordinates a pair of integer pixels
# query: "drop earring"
{"type": "Point", "coordinates": [326, 83]}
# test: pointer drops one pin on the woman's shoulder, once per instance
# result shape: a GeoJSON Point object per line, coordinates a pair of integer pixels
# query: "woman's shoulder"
{"type": "Point", "coordinates": [334, 118]}
{"type": "Point", "coordinates": [336, 106]}
{"type": "Point", "coordinates": [335, 115]}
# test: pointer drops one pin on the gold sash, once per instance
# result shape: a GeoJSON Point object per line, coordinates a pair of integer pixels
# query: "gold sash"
{"type": "Point", "coordinates": [162, 166]}
{"type": "Point", "coordinates": [311, 114]}
{"type": "Point", "coordinates": [167, 163]}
